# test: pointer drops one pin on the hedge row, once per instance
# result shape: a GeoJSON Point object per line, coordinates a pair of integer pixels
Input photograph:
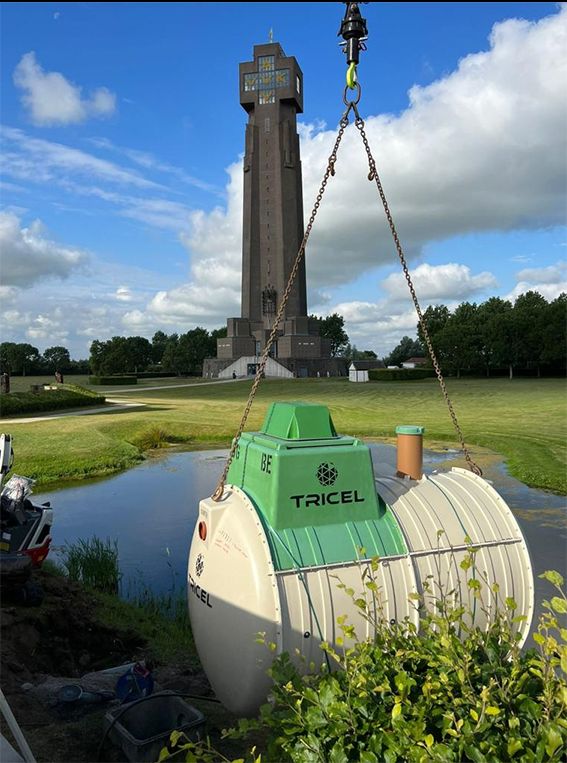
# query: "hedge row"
{"type": "Point", "coordinates": [111, 380]}
{"type": "Point", "coordinates": [155, 374]}
{"type": "Point", "coordinates": [65, 396]}
{"type": "Point", "coordinates": [399, 374]}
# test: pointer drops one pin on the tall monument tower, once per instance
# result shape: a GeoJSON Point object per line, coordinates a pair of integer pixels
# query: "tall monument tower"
{"type": "Point", "coordinates": [271, 92]}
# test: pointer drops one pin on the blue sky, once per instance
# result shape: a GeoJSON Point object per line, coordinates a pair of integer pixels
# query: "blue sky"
{"type": "Point", "coordinates": [121, 178]}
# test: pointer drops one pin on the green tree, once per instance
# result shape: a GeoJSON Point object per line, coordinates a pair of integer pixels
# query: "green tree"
{"type": "Point", "coordinates": [19, 358]}
{"type": "Point", "coordinates": [494, 321]}
{"type": "Point", "coordinates": [194, 347]}
{"type": "Point", "coordinates": [57, 358]}
{"type": "Point", "coordinates": [530, 314]}
{"type": "Point", "coordinates": [159, 341]}
{"type": "Point", "coordinates": [407, 348]}
{"type": "Point", "coordinates": [139, 353]}
{"type": "Point", "coordinates": [351, 352]}
{"type": "Point", "coordinates": [459, 341]}
{"type": "Point", "coordinates": [97, 352]}
{"type": "Point", "coordinates": [554, 339]}
{"type": "Point", "coordinates": [121, 355]}
{"type": "Point", "coordinates": [435, 318]}
{"type": "Point", "coordinates": [170, 360]}
{"type": "Point", "coordinates": [333, 327]}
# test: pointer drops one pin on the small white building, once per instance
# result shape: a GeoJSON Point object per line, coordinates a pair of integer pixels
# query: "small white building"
{"type": "Point", "coordinates": [414, 363]}
{"type": "Point", "coordinates": [358, 369]}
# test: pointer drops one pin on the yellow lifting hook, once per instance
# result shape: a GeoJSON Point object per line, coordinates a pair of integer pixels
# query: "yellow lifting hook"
{"type": "Point", "coordinates": [351, 76]}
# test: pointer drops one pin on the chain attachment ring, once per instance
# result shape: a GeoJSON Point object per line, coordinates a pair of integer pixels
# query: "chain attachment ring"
{"type": "Point", "coordinates": [352, 101]}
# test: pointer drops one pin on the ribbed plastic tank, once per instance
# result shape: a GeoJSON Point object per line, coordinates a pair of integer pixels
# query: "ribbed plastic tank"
{"type": "Point", "coordinates": [302, 513]}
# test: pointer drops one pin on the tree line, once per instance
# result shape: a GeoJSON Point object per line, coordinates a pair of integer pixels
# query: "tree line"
{"type": "Point", "coordinates": [24, 359]}
{"type": "Point", "coordinates": [494, 336]}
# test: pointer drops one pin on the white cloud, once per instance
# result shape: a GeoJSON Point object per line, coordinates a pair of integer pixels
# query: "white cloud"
{"type": "Point", "coordinates": [52, 100]}
{"type": "Point", "coordinates": [552, 274]}
{"type": "Point", "coordinates": [7, 294]}
{"type": "Point", "coordinates": [550, 281]}
{"type": "Point", "coordinates": [379, 326]}
{"type": "Point", "coordinates": [124, 294]}
{"type": "Point", "coordinates": [150, 162]}
{"type": "Point", "coordinates": [547, 290]}
{"type": "Point", "coordinates": [49, 329]}
{"type": "Point", "coordinates": [28, 255]}
{"type": "Point", "coordinates": [215, 246]}
{"type": "Point", "coordinates": [86, 308]}
{"type": "Point", "coordinates": [439, 282]}
{"type": "Point", "coordinates": [41, 160]}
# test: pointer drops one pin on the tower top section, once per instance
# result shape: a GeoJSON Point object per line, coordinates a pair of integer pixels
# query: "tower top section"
{"type": "Point", "coordinates": [269, 78]}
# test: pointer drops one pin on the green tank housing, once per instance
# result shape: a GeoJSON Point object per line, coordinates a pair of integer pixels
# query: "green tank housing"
{"type": "Point", "coordinates": [314, 490]}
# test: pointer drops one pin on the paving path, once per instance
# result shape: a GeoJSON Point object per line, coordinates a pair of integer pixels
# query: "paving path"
{"type": "Point", "coordinates": [115, 403]}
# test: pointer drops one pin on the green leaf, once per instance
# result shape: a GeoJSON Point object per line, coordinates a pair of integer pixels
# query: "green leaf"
{"type": "Point", "coordinates": [553, 577]}
{"type": "Point", "coordinates": [553, 741]}
{"type": "Point", "coordinates": [429, 740]}
{"type": "Point", "coordinates": [514, 745]}
{"type": "Point", "coordinates": [396, 711]}
{"type": "Point", "coordinates": [559, 605]}
{"type": "Point", "coordinates": [475, 754]}
{"type": "Point", "coordinates": [368, 757]}
{"type": "Point", "coordinates": [474, 714]}
{"type": "Point", "coordinates": [338, 753]}
{"type": "Point", "coordinates": [491, 710]}
{"type": "Point", "coordinates": [511, 603]}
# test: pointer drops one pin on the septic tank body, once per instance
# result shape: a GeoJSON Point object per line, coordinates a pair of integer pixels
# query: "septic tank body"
{"type": "Point", "coordinates": [301, 513]}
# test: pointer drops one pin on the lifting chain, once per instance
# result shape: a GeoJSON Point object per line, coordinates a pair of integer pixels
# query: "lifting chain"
{"type": "Point", "coordinates": [330, 171]}
{"type": "Point", "coordinates": [372, 175]}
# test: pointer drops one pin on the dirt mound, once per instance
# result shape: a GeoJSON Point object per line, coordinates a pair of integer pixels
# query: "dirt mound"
{"type": "Point", "coordinates": [62, 637]}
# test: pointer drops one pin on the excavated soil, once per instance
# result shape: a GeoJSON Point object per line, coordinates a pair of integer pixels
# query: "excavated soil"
{"type": "Point", "coordinates": [64, 638]}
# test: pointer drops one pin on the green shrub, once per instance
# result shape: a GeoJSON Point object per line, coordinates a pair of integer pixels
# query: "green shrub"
{"type": "Point", "coordinates": [399, 374]}
{"type": "Point", "coordinates": [110, 380]}
{"type": "Point", "coordinates": [448, 693]}
{"type": "Point", "coordinates": [153, 438]}
{"type": "Point", "coordinates": [65, 396]}
{"type": "Point", "coordinates": [93, 563]}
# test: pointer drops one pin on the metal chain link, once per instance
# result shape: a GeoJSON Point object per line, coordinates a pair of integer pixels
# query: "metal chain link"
{"type": "Point", "coordinates": [373, 175]}
{"type": "Point", "coordinates": [330, 171]}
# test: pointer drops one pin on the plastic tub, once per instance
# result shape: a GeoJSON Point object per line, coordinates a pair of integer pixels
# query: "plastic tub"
{"type": "Point", "coordinates": [144, 729]}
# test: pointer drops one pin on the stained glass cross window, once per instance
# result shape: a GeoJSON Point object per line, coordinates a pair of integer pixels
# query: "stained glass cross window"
{"type": "Point", "coordinates": [266, 80]}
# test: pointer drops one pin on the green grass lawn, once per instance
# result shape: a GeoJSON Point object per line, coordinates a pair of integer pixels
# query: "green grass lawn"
{"type": "Point", "coordinates": [524, 420]}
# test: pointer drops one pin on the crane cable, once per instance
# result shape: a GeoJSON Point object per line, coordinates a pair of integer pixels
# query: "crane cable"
{"type": "Point", "coordinates": [352, 106]}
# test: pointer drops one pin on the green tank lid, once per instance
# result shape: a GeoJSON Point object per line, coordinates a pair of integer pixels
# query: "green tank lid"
{"type": "Point", "coordinates": [314, 490]}
{"type": "Point", "coordinates": [410, 430]}
{"type": "Point", "coordinates": [298, 421]}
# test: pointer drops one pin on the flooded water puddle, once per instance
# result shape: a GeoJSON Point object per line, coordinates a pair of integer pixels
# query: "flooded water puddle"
{"type": "Point", "coordinates": [151, 511]}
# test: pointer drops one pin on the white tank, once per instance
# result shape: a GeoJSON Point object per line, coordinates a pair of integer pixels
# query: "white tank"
{"type": "Point", "coordinates": [255, 571]}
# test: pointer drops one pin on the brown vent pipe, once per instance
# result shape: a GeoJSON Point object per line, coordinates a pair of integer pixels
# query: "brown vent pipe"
{"type": "Point", "coordinates": [410, 452]}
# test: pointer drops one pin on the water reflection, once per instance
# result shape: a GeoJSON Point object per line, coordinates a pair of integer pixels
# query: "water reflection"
{"type": "Point", "coordinates": [151, 511]}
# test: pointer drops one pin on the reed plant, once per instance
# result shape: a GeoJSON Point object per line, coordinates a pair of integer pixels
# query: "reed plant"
{"type": "Point", "coordinates": [94, 563]}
